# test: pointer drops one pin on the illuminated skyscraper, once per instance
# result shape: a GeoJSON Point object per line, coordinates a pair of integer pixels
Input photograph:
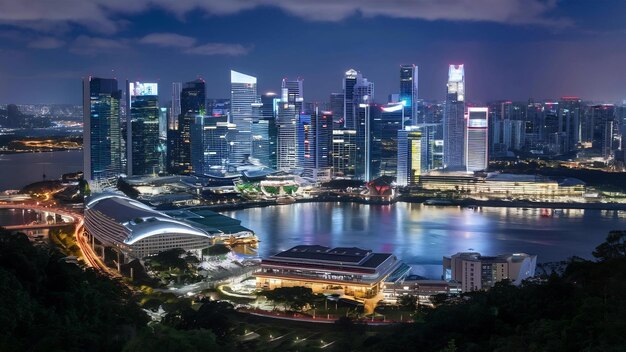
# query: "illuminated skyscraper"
{"type": "Point", "coordinates": [243, 93]}
{"type": "Point", "coordinates": [409, 156]}
{"type": "Point", "coordinates": [102, 150]}
{"type": "Point", "coordinates": [209, 147]}
{"type": "Point", "coordinates": [175, 108]}
{"type": "Point", "coordinates": [476, 137]}
{"type": "Point", "coordinates": [192, 103]}
{"type": "Point", "coordinates": [269, 112]}
{"type": "Point", "coordinates": [142, 146]}
{"type": "Point", "coordinates": [454, 120]}
{"type": "Point", "coordinates": [287, 137]}
{"type": "Point", "coordinates": [408, 92]}
{"type": "Point", "coordinates": [344, 153]}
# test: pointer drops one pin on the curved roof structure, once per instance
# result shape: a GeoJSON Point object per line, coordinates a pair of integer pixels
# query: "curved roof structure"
{"type": "Point", "coordinates": [139, 220]}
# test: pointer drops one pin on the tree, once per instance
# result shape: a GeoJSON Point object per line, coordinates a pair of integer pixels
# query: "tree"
{"type": "Point", "coordinates": [296, 297]}
{"type": "Point", "coordinates": [613, 247]}
{"type": "Point", "coordinates": [408, 302]}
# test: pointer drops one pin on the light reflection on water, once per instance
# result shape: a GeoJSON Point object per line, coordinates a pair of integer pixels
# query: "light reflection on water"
{"type": "Point", "coordinates": [422, 235]}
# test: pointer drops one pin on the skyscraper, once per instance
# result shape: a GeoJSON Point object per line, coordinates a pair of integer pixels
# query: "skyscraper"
{"type": "Point", "coordinates": [336, 108]}
{"type": "Point", "coordinates": [476, 149]}
{"type": "Point", "coordinates": [192, 103]}
{"type": "Point", "coordinates": [243, 94]}
{"type": "Point", "coordinates": [287, 137]}
{"type": "Point", "coordinates": [322, 122]}
{"type": "Point", "coordinates": [409, 162]}
{"type": "Point", "coordinates": [209, 147]}
{"type": "Point", "coordinates": [454, 119]}
{"type": "Point", "coordinates": [269, 112]}
{"type": "Point", "coordinates": [349, 80]}
{"type": "Point", "coordinates": [142, 141]}
{"type": "Point", "coordinates": [101, 128]}
{"type": "Point", "coordinates": [175, 107]}
{"type": "Point", "coordinates": [408, 92]}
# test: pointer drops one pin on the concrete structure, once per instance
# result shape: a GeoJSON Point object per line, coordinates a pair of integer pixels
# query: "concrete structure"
{"type": "Point", "coordinates": [134, 230]}
{"type": "Point", "coordinates": [102, 143]}
{"type": "Point", "coordinates": [476, 139]}
{"type": "Point", "coordinates": [477, 272]}
{"type": "Point", "coordinates": [494, 186]}
{"type": "Point", "coordinates": [243, 94]}
{"type": "Point", "coordinates": [420, 288]}
{"type": "Point", "coordinates": [355, 272]}
{"type": "Point", "coordinates": [454, 120]}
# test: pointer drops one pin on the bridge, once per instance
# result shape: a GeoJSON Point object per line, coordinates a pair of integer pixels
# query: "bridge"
{"type": "Point", "coordinates": [66, 217]}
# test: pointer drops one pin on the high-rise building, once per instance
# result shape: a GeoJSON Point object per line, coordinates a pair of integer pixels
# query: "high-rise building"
{"type": "Point", "coordinates": [408, 92]}
{"type": "Point", "coordinates": [349, 81]}
{"type": "Point", "coordinates": [305, 141]}
{"type": "Point", "coordinates": [344, 153]}
{"type": "Point", "coordinates": [102, 150]}
{"type": "Point", "coordinates": [604, 129]}
{"type": "Point", "coordinates": [454, 120]}
{"type": "Point", "coordinates": [295, 93]}
{"type": "Point", "coordinates": [287, 135]}
{"type": "Point", "coordinates": [322, 122]}
{"type": "Point", "coordinates": [409, 163]}
{"type": "Point", "coordinates": [192, 103]}
{"type": "Point", "coordinates": [243, 93]}
{"type": "Point", "coordinates": [209, 147]}
{"type": "Point", "coordinates": [175, 108]}
{"type": "Point", "coordinates": [571, 115]}
{"type": "Point", "coordinates": [386, 121]}
{"type": "Point", "coordinates": [269, 112]}
{"type": "Point", "coordinates": [476, 138]}
{"type": "Point", "coordinates": [142, 123]}
{"type": "Point", "coordinates": [356, 90]}
{"type": "Point", "coordinates": [336, 107]}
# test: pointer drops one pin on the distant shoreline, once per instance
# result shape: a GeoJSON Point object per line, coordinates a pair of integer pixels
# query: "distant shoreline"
{"type": "Point", "coordinates": [11, 152]}
{"type": "Point", "coordinates": [421, 200]}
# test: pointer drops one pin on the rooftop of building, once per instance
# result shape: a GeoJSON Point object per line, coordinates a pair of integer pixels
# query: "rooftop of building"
{"type": "Point", "coordinates": [343, 256]}
{"type": "Point", "coordinates": [500, 258]}
{"type": "Point", "coordinates": [140, 220]}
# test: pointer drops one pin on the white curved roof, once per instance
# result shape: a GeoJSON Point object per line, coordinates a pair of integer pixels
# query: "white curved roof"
{"type": "Point", "coordinates": [140, 220]}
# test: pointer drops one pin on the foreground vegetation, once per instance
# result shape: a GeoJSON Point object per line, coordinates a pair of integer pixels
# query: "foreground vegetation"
{"type": "Point", "coordinates": [49, 305]}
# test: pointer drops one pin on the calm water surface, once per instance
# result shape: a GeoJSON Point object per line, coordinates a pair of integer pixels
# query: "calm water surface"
{"type": "Point", "coordinates": [19, 170]}
{"type": "Point", "coordinates": [421, 235]}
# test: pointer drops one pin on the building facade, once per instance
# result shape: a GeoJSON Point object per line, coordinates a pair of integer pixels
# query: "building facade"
{"type": "Point", "coordinates": [454, 119]}
{"type": "Point", "coordinates": [356, 272]}
{"type": "Point", "coordinates": [476, 272]}
{"type": "Point", "coordinates": [102, 143]}
{"type": "Point", "coordinates": [243, 93]}
{"type": "Point", "coordinates": [476, 139]}
{"type": "Point", "coordinates": [143, 156]}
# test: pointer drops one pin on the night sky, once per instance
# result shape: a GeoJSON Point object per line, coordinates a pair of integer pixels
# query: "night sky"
{"type": "Point", "coordinates": [512, 49]}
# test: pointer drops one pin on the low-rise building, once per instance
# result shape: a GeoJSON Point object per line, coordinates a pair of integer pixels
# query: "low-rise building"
{"type": "Point", "coordinates": [135, 230]}
{"type": "Point", "coordinates": [476, 272]}
{"type": "Point", "coordinates": [420, 288]}
{"type": "Point", "coordinates": [355, 272]}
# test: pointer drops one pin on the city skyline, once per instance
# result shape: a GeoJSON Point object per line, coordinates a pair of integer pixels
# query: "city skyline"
{"type": "Point", "coordinates": [542, 50]}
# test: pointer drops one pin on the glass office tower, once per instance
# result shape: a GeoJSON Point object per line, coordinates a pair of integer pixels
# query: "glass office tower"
{"type": "Point", "coordinates": [454, 120]}
{"type": "Point", "coordinates": [142, 146]}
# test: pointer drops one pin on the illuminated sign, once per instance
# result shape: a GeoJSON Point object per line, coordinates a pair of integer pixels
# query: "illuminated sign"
{"type": "Point", "coordinates": [481, 123]}
{"type": "Point", "coordinates": [456, 73]}
{"type": "Point", "coordinates": [139, 89]}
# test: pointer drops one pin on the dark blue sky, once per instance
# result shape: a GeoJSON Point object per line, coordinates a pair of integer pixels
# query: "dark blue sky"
{"type": "Point", "coordinates": [512, 49]}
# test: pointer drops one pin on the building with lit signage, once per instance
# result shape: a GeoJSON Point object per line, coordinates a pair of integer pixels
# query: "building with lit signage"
{"type": "Point", "coordinates": [134, 230]}
{"type": "Point", "coordinates": [355, 272]}
{"type": "Point", "coordinates": [476, 140]}
{"type": "Point", "coordinates": [476, 272]}
{"type": "Point", "coordinates": [102, 143]}
{"type": "Point", "coordinates": [454, 120]}
{"type": "Point", "coordinates": [409, 156]}
{"type": "Point", "coordinates": [143, 156]}
{"type": "Point", "coordinates": [506, 186]}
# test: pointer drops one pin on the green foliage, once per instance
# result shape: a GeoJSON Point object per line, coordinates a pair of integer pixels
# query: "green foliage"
{"type": "Point", "coordinates": [216, 249]}
{"type": "Point", "coordinates": [167, 260]}
{"type": "Point", "coordinates": [295, 298]}
{"type": "Point", "coordinates": [408, 302]}
{"type": "Point", "coordinates": [613, 247]}
{"type": "Point", "coordinates": [49, 305]}
{"type": "Point", "coordinates": [271, 189]}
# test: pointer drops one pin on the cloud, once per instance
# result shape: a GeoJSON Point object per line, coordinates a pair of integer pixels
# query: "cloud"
{"type": "Point", "coordinates": [46, 43]}
{"type": "Point", "coordinates": [168, 40]}
{"type": "Point", "coordinates": [100, 15]}
{"type": "Point", "coordinates": [219, 49]}
{"type": "Point", "coordinates": [86, 45]}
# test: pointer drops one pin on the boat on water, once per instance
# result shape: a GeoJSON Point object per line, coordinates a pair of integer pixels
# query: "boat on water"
{"type": "Point", "coordinates": [438, 202]}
